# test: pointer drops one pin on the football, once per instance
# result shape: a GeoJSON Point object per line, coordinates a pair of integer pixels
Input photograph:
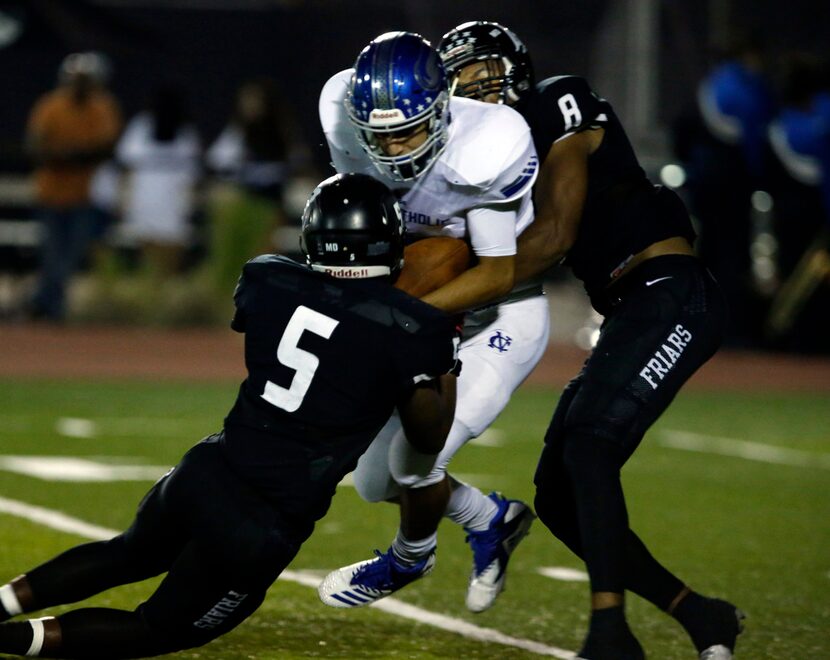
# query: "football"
{"type": "Point", "coordinates": [432, 262]}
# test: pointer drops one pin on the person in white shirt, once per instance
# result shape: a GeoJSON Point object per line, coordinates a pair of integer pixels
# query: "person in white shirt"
{"type": "Point", "coordinates": [161, 151]}
{"type": "Point", "coordinates": [464, 169]}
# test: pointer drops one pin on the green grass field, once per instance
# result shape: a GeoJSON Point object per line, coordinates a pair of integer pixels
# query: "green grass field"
{"type": "Point", "coordinates": [754, 529]}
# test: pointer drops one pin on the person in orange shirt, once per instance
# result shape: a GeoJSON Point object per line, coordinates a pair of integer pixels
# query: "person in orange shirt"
{"type": "Point", "coordinates": [70, 131]}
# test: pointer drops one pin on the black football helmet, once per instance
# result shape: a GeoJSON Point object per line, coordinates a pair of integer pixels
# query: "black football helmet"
{"type": "Point", "coordinates": [476, 41]}
{"type": "Point", "coordinates": [352, 228]}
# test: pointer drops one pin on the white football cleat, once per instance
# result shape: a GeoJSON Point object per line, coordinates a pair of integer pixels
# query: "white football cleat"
{"type": "Point", "coordinates": [367, 581]}
{"type": "Point", "coordinates": [492, 549]}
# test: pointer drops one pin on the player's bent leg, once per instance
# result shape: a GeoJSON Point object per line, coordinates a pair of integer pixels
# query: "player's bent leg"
{"type": "Point", "coordinates": [554, 500]}
{"type": "Point", "coordinates": [412, 553]}
{"type": "Point", "coordinates": [494, 526]}
{"type": "Point", "coordinates": [79, 573]}
{"type": "Point", "coordinates": [496, 362]}
{"type": "Point", "coordinates": [215, 584]}
{"type": "Point", "coordinates": [373, 479]}
{"type": "Point", "coordinates": [423, 494]}
{"type": "Point", "coordinates": [492, 548]}
{"type": "Point", "coordinates": [485, 387]}
{"type": "Point", "coordinates": [144, 550]}
{"type": "Point", "coordinates": [85, 633]}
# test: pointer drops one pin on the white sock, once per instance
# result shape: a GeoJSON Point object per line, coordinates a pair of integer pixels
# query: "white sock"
{"type": "Point", "coordinates": [8, 599]}
{"type": "Point", "coordinates": [38, 636]}
{"type": "Point", "coordinates": [471, 508]}
{"type": "Point", "coordinates": [409, 552]}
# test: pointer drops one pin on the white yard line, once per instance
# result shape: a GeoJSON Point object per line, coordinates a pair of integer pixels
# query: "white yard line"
{"type": "Point", "coordinates": [85, 428]}
{"type": "Point", "coordinates": [752, 451]}
{"type": "Point", "coordinates": [563, 573]}
{"type": "Point", "coordinates": [64, 523]}
{"type": "Point", "coordinates": [77, 427]}
{"type": "Point", "coordinates": [459, 626]}
{"type": "Point", "coordinates": [69, 468]}
{"type": "Point", "coordinates": [55, 520]}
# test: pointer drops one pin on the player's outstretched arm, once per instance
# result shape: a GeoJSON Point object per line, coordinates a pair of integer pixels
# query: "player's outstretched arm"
{"type": "Point", "coordinates": [560, 197]}
{"type": "Point", "coordinates": [490, 279]}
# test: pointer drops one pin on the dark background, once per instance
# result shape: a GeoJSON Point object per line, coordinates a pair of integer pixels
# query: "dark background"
{"type": "Point", "coordinates": [210, 46]}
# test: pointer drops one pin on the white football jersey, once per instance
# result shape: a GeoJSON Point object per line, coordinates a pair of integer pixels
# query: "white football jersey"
{"type": "Point", "coordinates": [489, 161]}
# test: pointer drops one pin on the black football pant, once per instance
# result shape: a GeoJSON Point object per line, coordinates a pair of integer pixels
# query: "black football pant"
{"type": "Point", "coordinates": [664, 320]}
{"type": "Point", "coordinates": [220, 544]}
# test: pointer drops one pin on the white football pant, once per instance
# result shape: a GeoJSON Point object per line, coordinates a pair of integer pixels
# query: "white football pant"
{"type": "Point", "coordinates": [495, 361]}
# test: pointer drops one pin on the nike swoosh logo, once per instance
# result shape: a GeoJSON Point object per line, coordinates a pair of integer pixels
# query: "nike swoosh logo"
{"type": "Point", "coordinates": [659, 279]}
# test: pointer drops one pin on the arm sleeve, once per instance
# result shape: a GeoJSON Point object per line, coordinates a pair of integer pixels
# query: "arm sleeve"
{"type": "Point", "coordinates": [493, 230]}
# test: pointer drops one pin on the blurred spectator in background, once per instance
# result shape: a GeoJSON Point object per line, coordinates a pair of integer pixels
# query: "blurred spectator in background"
{"type": "Point", "coordinates": [254, 155]}
{"type": "Point", "coordinates": [161, 153]}
{"type": "Point", "coordinates": [70, 131]}
{"type": "Point", "coordinates": [105, 183]}
{"type": "Point", "coordinates": [800, 140]}
{"type": "Point", "coordinates": [722, 144]}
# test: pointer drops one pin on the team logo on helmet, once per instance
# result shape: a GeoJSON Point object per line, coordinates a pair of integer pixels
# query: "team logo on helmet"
{"type": "Point", "coordinates": [427, 71]}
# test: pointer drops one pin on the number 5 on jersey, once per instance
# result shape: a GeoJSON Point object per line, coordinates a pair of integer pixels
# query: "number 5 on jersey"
{"type": "Point", "coordinates": [294, 357]}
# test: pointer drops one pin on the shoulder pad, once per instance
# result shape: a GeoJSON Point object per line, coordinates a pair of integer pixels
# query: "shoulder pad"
{"type": "Point", "coordinates": [332, 97]}
{"type": "Point", "coordinates": [268, 262]}
{"type": "Point", "coordinates": [487, 142]}
{"type": "Point", "coordinates": [346, 153]}
{"type": "Point", "coordinates": [572, 104]}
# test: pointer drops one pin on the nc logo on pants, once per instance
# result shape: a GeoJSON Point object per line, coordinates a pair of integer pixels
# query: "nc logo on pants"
{"type": "Point", "coordinates": [500, 342]}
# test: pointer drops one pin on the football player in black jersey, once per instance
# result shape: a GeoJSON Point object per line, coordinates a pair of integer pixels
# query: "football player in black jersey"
{"type": "Point", "coordinates": [330, 348]}
{"type": "Point", "coordinates": [630, 242]}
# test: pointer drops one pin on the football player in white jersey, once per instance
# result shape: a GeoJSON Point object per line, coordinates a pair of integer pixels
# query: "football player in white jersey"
{"type": "Point", "coordinates": [463, 169]}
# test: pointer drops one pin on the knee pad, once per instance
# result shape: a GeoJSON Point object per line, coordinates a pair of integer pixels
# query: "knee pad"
{"type": "Point", "coordinates": [372, 478]}
{"type": "Point", "coordinates": [408, 466]}
{"type": "Point", "coordinates": [375, 485]}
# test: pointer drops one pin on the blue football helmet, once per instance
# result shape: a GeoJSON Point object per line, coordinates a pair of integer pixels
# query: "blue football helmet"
{"type": "Point", "coordinates": [399, 83]}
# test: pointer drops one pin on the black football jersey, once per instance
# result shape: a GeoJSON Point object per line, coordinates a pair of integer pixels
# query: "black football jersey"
{"type": "Point", "coordinates": [328, 359]}
{"type": "Point", "coordinates": [624, 212]}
